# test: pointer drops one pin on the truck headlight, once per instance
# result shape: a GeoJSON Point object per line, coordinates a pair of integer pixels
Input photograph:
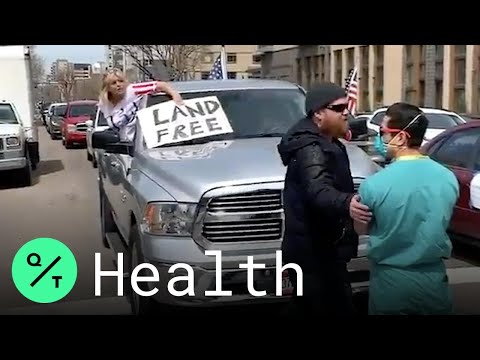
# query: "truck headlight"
{"type": "Point", "coordinates": [169, 219]}
{"type": "Point", "coordinates": [13, 141]}
{"type": "Point", "coordinates": [71, 128]}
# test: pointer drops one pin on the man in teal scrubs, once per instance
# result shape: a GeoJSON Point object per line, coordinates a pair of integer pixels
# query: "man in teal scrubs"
{"type": "Point", "coordinates": [412, 201]}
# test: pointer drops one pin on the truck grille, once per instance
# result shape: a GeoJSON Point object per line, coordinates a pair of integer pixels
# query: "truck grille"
{"type": "Point", "coordinates": [256, 202]}
{"type": "Point", "coordinates": [356, 183]}
{"type": "Point", "coordinates": [81, 127]}
{"type": "Point", "coordinates": [255, 216]}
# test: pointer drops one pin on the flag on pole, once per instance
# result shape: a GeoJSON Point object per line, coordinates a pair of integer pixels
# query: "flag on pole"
{"type": "Point", "coordinates": [219, 70]}
{"type": "Point", "coordinates": [351, 87]}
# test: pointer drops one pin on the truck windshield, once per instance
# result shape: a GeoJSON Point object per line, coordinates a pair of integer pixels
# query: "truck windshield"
{"type": "Point", "coordinates": [83, 110]}
{"type": "Point", "coordinates": [252, 112]}
{"type": "Point", "coordinates": [59, 110]}
{"type": "Point", "coordinates": [7, 115]}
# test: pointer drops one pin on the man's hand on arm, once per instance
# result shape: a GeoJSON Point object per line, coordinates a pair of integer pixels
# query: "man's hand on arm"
{"type": "Point", "coordinates": [359, 212]}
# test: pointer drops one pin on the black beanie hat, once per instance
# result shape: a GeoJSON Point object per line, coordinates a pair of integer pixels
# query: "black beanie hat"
{"type": "Point", "coordinates": [321, 95]}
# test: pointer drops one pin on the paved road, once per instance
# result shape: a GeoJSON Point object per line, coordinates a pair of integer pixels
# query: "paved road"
{"type": "Point", "coordinates": [63, 204]}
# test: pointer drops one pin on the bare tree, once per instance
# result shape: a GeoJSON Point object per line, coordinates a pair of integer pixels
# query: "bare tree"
{"type": "Point", "coordinates": [66, 83]}
{"type": "Point", "coordinates": [37, 65]}
{"type": "Point", "coordinates": [179, 61]}
{"type": "Point", "coordinates": [37, 71]}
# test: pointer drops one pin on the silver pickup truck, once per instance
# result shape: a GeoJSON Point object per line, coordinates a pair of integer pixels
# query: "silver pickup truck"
{"type": "Point", "coordinates": [172, 204]}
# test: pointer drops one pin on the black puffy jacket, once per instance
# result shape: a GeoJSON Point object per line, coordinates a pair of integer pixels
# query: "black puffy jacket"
{"type": "Point", "coordinates": [317, 195]}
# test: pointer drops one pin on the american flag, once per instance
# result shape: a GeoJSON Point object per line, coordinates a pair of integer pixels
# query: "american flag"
{"type": "Point", "coordinates": [351, 87]}
{"type": "Point", "coordinates": [216, 73]}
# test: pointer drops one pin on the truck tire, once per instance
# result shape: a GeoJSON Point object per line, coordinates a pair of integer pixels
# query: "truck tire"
{"type": "Point", "coordinates": [141, 305]}
{"type": "Point", "coordinates": [106, 219]}
{"type": "Point", "coordinates": [33, 154]}
{"type": "Point", "coordinates": [25, 174]}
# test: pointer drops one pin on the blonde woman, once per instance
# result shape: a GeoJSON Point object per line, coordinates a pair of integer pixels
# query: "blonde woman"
{"type": "Point", "coordinates": [119, 100]}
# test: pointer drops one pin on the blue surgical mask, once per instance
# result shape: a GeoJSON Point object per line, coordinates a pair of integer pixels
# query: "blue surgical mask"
{"type": "Point", "coordinates": [380, 146]}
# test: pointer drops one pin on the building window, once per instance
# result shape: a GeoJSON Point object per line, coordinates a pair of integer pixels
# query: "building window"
{"type": "Point", "coordinates": [232, 75]}
{"type": "Point", "coordinates": [299, 71]}
{"type": "Point", "coordinates": [256, 59]}
{"type": "Point", "coordinates": [421, 76]}
{"type": "Point", "coordinates": [379, 58]}
{"type": "Point", "coordinates": [338, 67]}
{"type": "Point", "coordinates": [308, 71]}
{"type": "Point", "coordinates": [205, 75]}
{"type": "Point", "coordinates": [322, 64]}
{"type": "Point", "coordinates": [363, 77]}
{"type": "Point", "coordinates": [207, 58]}
{"type": "Point", "coordinates": [439, 76]}
{"type": "Point", "coordinates": [350, 53]}
{"type": "Point", "coordinates": [232, 58]}
{"type": "Point", "coordinates": [459, 76]}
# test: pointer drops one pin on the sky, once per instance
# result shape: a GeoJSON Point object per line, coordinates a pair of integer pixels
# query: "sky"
{"type": "Point", "coordinates": [73, 53]}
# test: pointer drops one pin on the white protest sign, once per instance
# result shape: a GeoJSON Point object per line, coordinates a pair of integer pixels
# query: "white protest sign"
{"type": "Point", "coordinates": [167, 123]}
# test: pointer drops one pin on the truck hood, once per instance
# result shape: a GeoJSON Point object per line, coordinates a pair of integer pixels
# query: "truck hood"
{"type": "Point", "coordinates": [10, 129]}
{"type": "Point", "coordinates": [78, 119]}
{"type": "Point", "coordinates": [187, 172]}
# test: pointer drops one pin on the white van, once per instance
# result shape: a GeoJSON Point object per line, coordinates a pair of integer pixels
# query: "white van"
{"type": "Point", "coordinates": [18, 132]}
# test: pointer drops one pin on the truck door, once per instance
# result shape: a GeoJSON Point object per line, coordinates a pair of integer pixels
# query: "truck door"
{"type": "Point", "coordinates": [117, 175]}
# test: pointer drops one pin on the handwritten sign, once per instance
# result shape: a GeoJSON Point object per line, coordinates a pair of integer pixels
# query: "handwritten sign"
{"type": "Point", "coordinates": [167, 123]}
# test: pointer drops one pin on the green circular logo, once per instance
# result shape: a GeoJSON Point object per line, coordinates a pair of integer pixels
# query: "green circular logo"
{"type": "Point", "coordinates": [44, 270]}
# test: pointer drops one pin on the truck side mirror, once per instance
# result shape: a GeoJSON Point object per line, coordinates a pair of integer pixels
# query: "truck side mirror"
{"type": "Point", "coordinates": [475, 192]}
{"type": "Point", "coordinates": [109, 141]}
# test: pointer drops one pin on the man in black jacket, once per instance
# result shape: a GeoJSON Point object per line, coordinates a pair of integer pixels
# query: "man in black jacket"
{"type": "Point", "coordinates": [319, 203]}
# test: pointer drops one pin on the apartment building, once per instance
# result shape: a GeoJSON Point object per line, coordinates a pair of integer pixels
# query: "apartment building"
{"type": "Point", "coordinates": [301, 64]}
{"type": "Point", "coordinates": [277, 61]}
{"type": "Point", "coordinates": [82, 71]}
{"type": "Point", "coordinates": [242, 61]}
{"type": "Point", "coordinates": [57, 67]}
{"type": "Point", "coordinates": [443, 76]}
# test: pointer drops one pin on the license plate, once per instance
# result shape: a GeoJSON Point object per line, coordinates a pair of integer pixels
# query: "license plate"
{"type": "Point", "coordinates": [287, 287]}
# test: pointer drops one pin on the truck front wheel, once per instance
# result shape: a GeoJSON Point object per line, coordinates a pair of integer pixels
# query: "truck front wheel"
{"type": "Point", "coordinates": [33, 154]}
{"type": "Point", "coordinates": [141, 305]}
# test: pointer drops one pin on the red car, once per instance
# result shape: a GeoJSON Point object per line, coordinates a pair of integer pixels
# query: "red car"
{"type": "Point", "coordinates": [458, 148]}
{"type": "Point", "coordinates": [74, 129]}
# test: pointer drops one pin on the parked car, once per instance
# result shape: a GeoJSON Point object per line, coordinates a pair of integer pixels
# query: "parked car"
{"type": "Point", "coordinates": [99, 124]}
{"type": "Point", "coordinates": [170, 204]}
{"type": "Point", "coordinates": [74, 127]}
{"type": "Point", "coordinates": [358, 127]}
{"type": "Point", "coordinates": [14, 155]}
{"type": "Point", "coordinates": [459, 149]}
{"type": "Point", "coordinates": [55, 119]}
{"type": "Point", "coordinates": [439, 121]}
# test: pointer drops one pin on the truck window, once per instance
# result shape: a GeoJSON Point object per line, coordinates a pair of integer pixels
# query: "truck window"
{"type": "Point", "coordinates": [101, 119]}
{"type": "Point", "coordinates": [59, 110]}
{"type": "Point", "coordinates": [253, 112]}
{"type": "Point", "coordinates": [7, 115]}
{"type": "Point", "coordinates": [83, 110]}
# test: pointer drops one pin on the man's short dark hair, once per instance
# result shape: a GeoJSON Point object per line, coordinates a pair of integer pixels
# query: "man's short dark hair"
{"type": "Point", "coordinates": [401, 114]}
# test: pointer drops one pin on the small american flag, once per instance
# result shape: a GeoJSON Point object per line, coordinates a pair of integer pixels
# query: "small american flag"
{"type": "Point", "coordinates": [351, 86]}
{"type": "Point", "coordinates": [217, 71]}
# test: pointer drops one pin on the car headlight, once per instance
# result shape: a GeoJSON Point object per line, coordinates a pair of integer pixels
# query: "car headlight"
{"type": "Point", "coordinates": [13, 141]}
{"type": "Point", "coordinates": [71, 127]}
{"type": "Point", "coordinates": [174, 219]}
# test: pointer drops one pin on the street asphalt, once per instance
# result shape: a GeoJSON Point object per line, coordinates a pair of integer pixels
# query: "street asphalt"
{"type": "Point", "coordinates": [63, 204]}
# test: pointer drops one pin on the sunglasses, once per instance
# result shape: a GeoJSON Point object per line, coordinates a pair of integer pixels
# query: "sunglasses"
{"type": "Point", "coordinates": [339, 108]}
